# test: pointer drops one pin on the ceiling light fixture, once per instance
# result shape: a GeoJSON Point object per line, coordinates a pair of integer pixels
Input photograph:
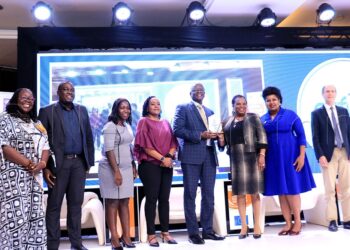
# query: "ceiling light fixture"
{"type": "Point", "coordinates": [195, 14]}
{"type": "Point", "coordinates": [42, 12]}
{"type": "Point", "coordinates": [121, 14]}
{"type": "Point", "coordinates": [266, 18]}
{"type": "Point", "coordinates": [325, 14]}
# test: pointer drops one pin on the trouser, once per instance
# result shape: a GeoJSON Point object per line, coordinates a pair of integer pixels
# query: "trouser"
{"type": "Point", "coordinates": [339, 165]}
{"type": "Point", "coordinates": [70, 180]}
{"type": "Point", "coordinates": [156, 182]}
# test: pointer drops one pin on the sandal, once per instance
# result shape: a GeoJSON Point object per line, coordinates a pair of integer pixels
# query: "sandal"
{"type": "Point", "coordinates": [152, 241]}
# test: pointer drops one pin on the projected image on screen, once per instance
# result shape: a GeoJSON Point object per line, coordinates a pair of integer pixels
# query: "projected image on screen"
{"type": "Point", "coordinates": [99, 83]}
{"type": "Point", "coordinates": [101, 77]}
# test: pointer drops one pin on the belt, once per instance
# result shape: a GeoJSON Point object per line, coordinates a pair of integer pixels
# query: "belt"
{"type": "Point", "coordinates": [71, 156]}
{"type": "Point", "coordinates": [342, 146]}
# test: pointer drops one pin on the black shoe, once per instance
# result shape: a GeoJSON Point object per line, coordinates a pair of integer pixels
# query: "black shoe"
{"type": "Point", "coordinates": [124, 244]}
{"type": "Point", "coordinates": [346, 224]}
{"type": "Point", "coordinates": [212, 236]}
{"type": "Point", "coordinates": [243, 236]}
{"type": "Point", "coordinates": [167, 239]}
{"type": "Point", "coordinates": [78, 248]}
{"type": "Point", "coordinates": [196, 239]}
{"type": "Point", "coordinates": [117, 248]}
{"type": "Point", "coordinates": [333, 226]}
{"type": "Point", "coordinates": [256, 236]}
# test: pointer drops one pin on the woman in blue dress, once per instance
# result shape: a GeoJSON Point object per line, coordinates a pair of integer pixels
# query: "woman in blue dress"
{"type": "Point", "coordinates": [287, 172]}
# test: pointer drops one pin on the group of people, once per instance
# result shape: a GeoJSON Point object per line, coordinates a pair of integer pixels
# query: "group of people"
{"type": "Point", "coordinates": [267, 156]}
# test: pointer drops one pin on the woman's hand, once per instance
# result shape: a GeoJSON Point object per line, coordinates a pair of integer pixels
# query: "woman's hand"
{"type": "Point", "coordinates": [167, 162]}
{"type": "Point", "coordinates": [261, 162]}
{"type": "Point", "coordinates": [118, 179]}
{"type": "Point", "coordinates": [36, 168]}
{"type": "Point", "coordinates": [299, 163]}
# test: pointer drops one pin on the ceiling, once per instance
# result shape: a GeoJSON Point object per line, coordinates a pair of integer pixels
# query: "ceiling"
{"type": "Point", "coordinates": [98, 13]}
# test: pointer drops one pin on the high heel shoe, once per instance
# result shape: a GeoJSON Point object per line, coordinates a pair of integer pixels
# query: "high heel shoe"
{"type": "Point", "coordinates": [256, 236]}
{"type": "Point", "coordinates": [123, 242]}
{"type": "Point", "coordinates": [294, 232]}
{"type": "Point", "coordinates": [116, 248]}
{"type": "Point", "coordinates": [243, 236]}
{"type": "Point", "coordinates": [152, 241]}
{"type": "Point", "coordinates": [166, 238]}
{"type": "Point", "coordinates": [285, 232]}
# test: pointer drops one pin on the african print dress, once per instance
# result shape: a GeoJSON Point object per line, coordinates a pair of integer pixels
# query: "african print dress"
{"type": "Point", "coordinates": [22, 217]}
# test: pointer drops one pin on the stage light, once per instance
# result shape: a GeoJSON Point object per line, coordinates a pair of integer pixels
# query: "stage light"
{"type": "Point", "coordinates": [196, 11]}
{"type": "Point", "coordinates": [121, 14]}
{"type": "Point", "coordinates": [325, 13]}
{"type": "Point", "coordinates": [195, 14]}
{"type": "Point", "coordinates": [42, 12]}
{"type": "Point", "coordinates": [266, 18]}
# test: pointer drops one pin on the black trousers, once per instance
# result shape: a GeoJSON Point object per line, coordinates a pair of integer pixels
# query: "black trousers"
{"type": "Point", "coordinates": [156, 182]}
{"type": "Point", "coordinates": [70, 180]}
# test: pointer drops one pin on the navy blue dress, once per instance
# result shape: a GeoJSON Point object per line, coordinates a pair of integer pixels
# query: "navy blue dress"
{"type": "Point", "coordinates": [285, 135]}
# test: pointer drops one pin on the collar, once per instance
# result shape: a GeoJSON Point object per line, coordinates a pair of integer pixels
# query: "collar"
{"type": "Point", "coordinates": [65, 108]}
{"type": "Point", "coordinates": [197, 104]}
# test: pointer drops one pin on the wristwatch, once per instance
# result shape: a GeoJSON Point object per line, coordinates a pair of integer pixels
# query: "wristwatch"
{"type": "Point", "coordinates": [162, 159]}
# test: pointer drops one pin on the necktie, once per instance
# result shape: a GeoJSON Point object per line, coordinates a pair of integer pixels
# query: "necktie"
{"type": "Point", "coordinates": [204, 117]}
{"type": "Point", "coordinates": [336, 130]}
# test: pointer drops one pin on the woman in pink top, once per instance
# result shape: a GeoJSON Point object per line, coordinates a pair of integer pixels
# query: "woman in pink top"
{"type": "Point", "coordinates": [155, 146]}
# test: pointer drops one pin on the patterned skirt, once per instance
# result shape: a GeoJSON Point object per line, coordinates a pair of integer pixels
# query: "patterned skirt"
{"type": "Point", "coordinates": [246, 177]}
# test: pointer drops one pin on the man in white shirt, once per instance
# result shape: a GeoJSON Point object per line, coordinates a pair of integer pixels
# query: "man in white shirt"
{"type": "Point", "coordinates": [331, 140]}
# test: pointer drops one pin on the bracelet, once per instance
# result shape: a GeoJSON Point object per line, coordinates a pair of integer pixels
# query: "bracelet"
{"type": "Point", "coordinates": [262, 154]}
{"type": "Point", "coordinates": [170, 156]}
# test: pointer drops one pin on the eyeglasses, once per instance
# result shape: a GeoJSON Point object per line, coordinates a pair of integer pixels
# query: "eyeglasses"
{"type": "Point", "coordinates": [67, 90]}
{"type": "Point", "coordinates": [198, 91]}
{"type": "Point", "coordinates": [27, 99]}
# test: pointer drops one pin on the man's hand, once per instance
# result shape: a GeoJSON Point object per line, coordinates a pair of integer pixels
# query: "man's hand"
{"type": "Point", "coordinates": [323, 161]}
{"type": "Point", "coordinates": [49, 177]}
{"type": "Point", "coordinates": [209, 135]}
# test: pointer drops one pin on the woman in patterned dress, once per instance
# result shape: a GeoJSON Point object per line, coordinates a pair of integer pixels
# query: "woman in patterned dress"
{"type": "Point", "coordinates": [246, 140]}
{"type": "Point", "coordinates": [23, 154]}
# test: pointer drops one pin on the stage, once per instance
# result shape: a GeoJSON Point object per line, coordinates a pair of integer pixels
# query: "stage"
{"type": "Point", "coordinates": [311, 237]}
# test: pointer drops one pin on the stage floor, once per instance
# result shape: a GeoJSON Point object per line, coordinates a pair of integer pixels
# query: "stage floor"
{"type": "Point", "coordinates": [311, 237]}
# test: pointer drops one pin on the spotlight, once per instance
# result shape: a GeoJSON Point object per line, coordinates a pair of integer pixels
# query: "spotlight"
{"type": "Point", "coordinates": [121, 14]}
{"type": "Point", "coordinates": [42, 12]}
{"type": "Point", "coordinates": [195, 13]}
{"type": "Point", "coordinates": [266, 18]}
{"type": "Point", "coordinates": [325, 13]}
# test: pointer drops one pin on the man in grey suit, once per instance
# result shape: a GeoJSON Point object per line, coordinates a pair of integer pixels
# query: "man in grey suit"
{"type": "Point", "coordinates": [71, 140]}
{"type": "Point", "coordinates": [331, 140]}
{"type": "Point", "coordinates": [198, 162]}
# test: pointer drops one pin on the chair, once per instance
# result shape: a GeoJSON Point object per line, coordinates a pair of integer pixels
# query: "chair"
{"type": "Point", "coordinates": [92, 215]}
{"type": "Point", "coordinates": [177, 214]}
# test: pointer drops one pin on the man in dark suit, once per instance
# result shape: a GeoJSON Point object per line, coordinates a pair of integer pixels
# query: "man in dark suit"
{"type": "Point", "coordinates": [70, 139]}
{"type": "Point", "coordinates": [331, 139]}
{"type": "Point", "coordinates": [198, 162]}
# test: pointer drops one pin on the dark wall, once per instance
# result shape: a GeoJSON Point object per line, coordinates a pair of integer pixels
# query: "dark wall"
{"type": "Point", "coordinates": [8, 79]}
{"type": "Point", "coordinates": [33, 40]}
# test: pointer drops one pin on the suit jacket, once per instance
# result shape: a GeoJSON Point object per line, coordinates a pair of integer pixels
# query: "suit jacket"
{"type": "Point", "coordinates": [188, 126]}
{"type": "Point", "coordinates": [52, 118]}
{"type": "Point", "coordinates": [253, 132]}
{"type": "Point", "coordinates": [323, 136]}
